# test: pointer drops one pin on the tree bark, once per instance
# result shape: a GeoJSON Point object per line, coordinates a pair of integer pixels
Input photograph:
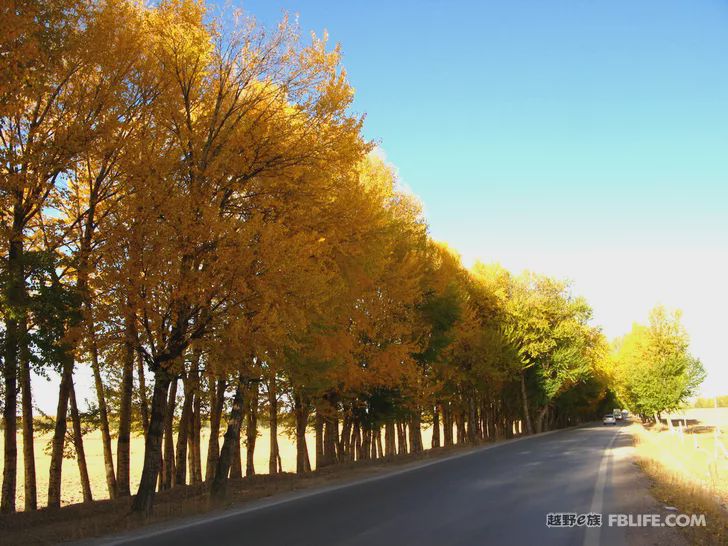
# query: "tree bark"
{"type": "Point", "coordinates": [435, 426]}
{"type": "Point", "coordinates": [365, 443]}
{"type": "Point", "coordinates": [180, 466]}
{"type": "Point", "coordinates": [143, 402]}
{"type": "Point", "coordinates": [15, 298]}
{"type": "Point", "coordinates": [123, 442]}
{"type": "Point", "coordinates": [524, 399]}
{"type": "Point", "coordinates": [378, 442]}
{"type": "Point", "coordinates": [251, 431]}
{"type": "Point", "coordinates": [472, 422]}
{"type": "Point", "coordinates": [219, 481]}
{"type": "Point", "coordinates": [59, 436]}
{"type": "Point", "coordinates": [319, 431]}
{"type": "Point", "coordinates": [540, 418]}
{"type": "Point", "coordinates": [273, 427]}
{"type": "Point", "coordinates": [390, 445]}
{"type": "Point", "coordinates": [401, 438]}
{"type": "Point", "coordinates": [236, 467]}
{"type": "Point", "coordinates": [30, 488]}
{"type": "Point", "coordinates": [104, 416]}
{"type": "Point", "coordinates": [168, 460]}
{"type": "Point", "coordinates": [196, 431]}
{"type": "Point", "coordinates": [301, 411]}
{"type": "Point", "coordinates": [163, 384]}
{"type": "Point", "coordinates": [460, 426]}
{"type": "Point", "coordinates": [78, 445]}
{"type": "Point", "coordinates": [446, 425]}
{"type": "Point", "coordinates": [331, 439]}
{"type": "Point", "coordinates": [416, 432]}
{"type": "Point", "coordinates": [217, 400]}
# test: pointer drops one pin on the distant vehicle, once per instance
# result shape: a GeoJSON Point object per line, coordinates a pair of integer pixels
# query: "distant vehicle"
{"type": "Point", "coordinates": [625, 414]}
{"type": "Point", "coordinates": [618, 414]}
{"type": "Point", "coordinates": [609, 419]}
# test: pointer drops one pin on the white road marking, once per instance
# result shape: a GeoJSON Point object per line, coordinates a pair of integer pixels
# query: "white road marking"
{"type": "Point", "coordinates": [593, 534]}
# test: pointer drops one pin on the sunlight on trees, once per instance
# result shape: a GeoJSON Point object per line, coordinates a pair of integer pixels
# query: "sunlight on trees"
{"type": "Point", "coordinates": [189, 208]}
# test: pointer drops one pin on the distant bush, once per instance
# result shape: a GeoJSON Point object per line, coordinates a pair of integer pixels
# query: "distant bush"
{"type": "Point", "coordinates": [722, 402]}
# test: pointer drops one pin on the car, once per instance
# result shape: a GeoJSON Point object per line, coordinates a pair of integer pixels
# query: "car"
{"type": "Point", "coordinates": [609, 419]}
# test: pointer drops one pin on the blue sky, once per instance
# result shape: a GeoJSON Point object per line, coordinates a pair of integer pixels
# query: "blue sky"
{"type": "Point", "coordinates": [584, 139]}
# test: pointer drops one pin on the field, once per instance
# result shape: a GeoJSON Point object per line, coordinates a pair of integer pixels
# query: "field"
{"type": "Point", "coordinates": [695, 448]}
{"type": "Point", "coordinates": [71, 484]}
{"type": "Point", "coordinates": [688, 465]}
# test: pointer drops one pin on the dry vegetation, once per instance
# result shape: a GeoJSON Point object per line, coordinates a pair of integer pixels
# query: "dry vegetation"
{"type": "Point", "coordinates": [689, 470]}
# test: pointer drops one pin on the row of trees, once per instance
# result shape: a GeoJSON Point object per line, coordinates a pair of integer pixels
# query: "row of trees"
{"type": "Point", "coordinates": [189, 209]}
{"type": "Point", "coordinates": [652, 369]}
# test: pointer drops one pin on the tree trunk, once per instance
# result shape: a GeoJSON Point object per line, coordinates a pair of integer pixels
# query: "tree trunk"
{"type": "Point", "coordinates": [446, 425]}
{"type": "Point", "coordinates": [143, 402]}
{"type": "Point", "coordinates": [356, 441]}
{"type": "Point", "coordinates": [163, 384]}
{"type": "Point", "coordinates": [78, 445]}
{"type": "Point", "coordinates": [365, 443]}
{"type": "Point", "coordinates": [251, 430]}
{"type": "Point", "coordinates": [435, 427]}
{"type": "Point", "coordinates": [460, 426]}
{"type": "Point", "coordinates": [524, 399]}
{"type": "Point", "coordinates": [217, 400]}
{"type": "Point", "coordinates": [416, 432]}
{"type": "Point", "coordinates": [390, 446]}
{"type": "Point", "coordinates": [168, 460]}
{"type": "Point", "coordinates": [378, 442]}
{"type": "Point", "coordinates": [196, 432]}
{"type": "Point", "coordinates": [344, 445]}
{"type": "Point", "coordinates": [236, 467]}
{"type": "Point", "coordinates": [301, 411]}
{"type": "Point", "coordinates": [540, 418]}
{"type": "Point", "coordinates": [104, 416]}
{"type": "Point", "coordinates": [180, 466]}
{"type": "Point", "coordinates": [472, 422]}
{"type": "Point", "coordinates": [15, 300]}
{"type": "Point", "coordinates": [401, 439]}
{"type": "Point", "coordinates": [319, 431]}
{"type": "Point", "coordinates": [331, 439]}
{"type": "Point", "coordinates": [31, 492]}
{"type": "Point", "coordinates": [123, 442]}
{"type": "Point", "coordinates": [59, 436]}
{"type": "Point", "coordinates": [273, 427]}
{"type": "Point", "coordinates": [232, 434]}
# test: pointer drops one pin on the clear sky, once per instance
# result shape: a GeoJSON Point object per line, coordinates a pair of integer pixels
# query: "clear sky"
{"type": "Point", "coordinates": [586, 139]}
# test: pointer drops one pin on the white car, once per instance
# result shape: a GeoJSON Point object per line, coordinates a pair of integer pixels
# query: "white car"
{"type": "Point", "coordinates": [609, 419]}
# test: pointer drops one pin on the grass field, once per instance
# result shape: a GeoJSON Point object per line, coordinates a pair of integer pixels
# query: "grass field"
{"type": "Point", "coordinates": [689, 468]}
{"type": "Point", "coordinates": [71, 484]}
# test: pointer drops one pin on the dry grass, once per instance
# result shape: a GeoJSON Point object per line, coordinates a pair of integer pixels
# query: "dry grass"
{"type": "Point", "coordinates": [694, 480]}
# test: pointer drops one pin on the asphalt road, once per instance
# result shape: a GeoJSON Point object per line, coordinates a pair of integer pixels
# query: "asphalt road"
{"type": "Point", "coordinates": [497, 495]}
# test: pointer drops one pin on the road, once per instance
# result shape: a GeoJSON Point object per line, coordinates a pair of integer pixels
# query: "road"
{"type": "Point", "coordinates": [500, 495]}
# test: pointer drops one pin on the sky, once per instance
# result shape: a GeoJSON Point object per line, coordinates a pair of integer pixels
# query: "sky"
{"type": "Point", "coordinates": [586, 139]}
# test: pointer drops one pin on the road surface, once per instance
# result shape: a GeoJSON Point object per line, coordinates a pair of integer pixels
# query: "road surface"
{"type": "Point", "coordinates": [499, 495]}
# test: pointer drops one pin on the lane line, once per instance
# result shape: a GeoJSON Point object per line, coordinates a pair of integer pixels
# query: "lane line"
{"type": "Point", "coordinates": [592, 537]}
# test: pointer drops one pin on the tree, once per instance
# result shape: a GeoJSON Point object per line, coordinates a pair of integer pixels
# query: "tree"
{"type": "Point", "coordinates": [654, 370]}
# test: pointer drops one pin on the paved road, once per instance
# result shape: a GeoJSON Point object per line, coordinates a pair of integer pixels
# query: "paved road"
{"type": "Point", "coordinates": [497, 495]}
